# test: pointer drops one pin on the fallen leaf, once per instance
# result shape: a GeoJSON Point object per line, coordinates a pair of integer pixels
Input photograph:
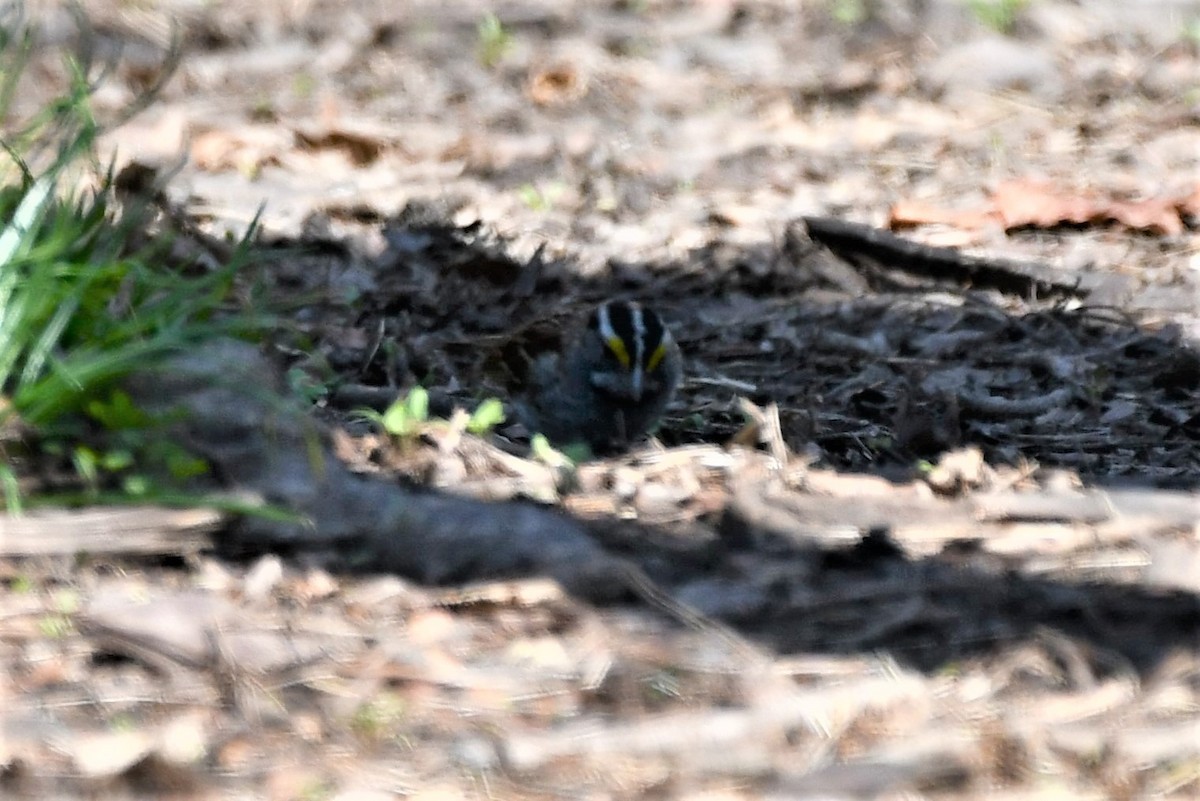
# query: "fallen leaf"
{"type": "Point", "coordinates": [236, 753]}
{"type": "Point", "coordinates": [1030, 202]}
{"type": "Point", "coordinates": [360, 147]}
{"type": "Point", "coordinates": [46, 673]}
{"type": "Point", "coordinates": [556, 86]}
{"type": "Point", "coordinates": [957, 470]}
{"type": "Point", "coordinates": [1036, 203]}
{"type": "Point", "coordinates": [247, 149]}
{"type": "Point", "coordinates": [1156, 215]}
{"type": "Point", "coordinates": [315, 585]}
{"type": "Point", "coordinates": [432, 626]}
{"type": "Point", "coordinates": [735, 215]}
{"type": "Point", "coordinates": [262, 578]}
{"type": "Point", "coordinates": [1190, 205]}
{"type": "Point", "coordinates": [911, 213]}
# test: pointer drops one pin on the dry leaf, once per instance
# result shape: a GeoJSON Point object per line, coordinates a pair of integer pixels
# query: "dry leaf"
{"type": "Point", "coordinates": [432, 626]}
{"type": "Point", "coordinates": [45, 673]}
{"type": "Point", "coordinates": [360, 147]}
{"type": "Point", "coordinates": [1156, 215]}
{"type": "Point", "coordinates": [1030, 202]}
{"type": "Point", "coordinates": [1026, 202]}
{"type": "Point", "coordinates": [1190, 205]}
{"type": "Point", "coordinates": [911, 213]}
{"type": "Point", "coordinates": [247, 149]}
{"type": "Point", "coordinates": [556, 86]}
{"type": "Point", "coordinates": [736, 215]}
{"type": "Point", "coordinates": [236, 753]}
{"type": "Point", "coordinates": [315, 585]}
{"type": "Point", "coordinates": [262, 578]}
{"type": "Point", "coordinates": [957, 470]}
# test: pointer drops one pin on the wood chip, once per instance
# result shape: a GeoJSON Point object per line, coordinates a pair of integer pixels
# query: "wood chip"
{"type": "Point", "coordinates": [108, 530]}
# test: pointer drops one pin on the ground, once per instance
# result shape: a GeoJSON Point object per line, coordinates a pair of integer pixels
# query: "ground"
{"type": "Point", "coordinates": [921, 523]}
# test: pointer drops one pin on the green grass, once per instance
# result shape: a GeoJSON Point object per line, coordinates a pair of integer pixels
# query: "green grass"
{"type": "Point", "coordinates": [81, 305]}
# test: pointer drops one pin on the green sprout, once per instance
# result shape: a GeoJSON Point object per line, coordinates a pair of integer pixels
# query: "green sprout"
{"type": "Point", "coordinates": [564, 457]}
{"type": "Point", "coordinates": [405, 417]}
{"type": "Point", "coordinates": [54, 627]}
{"type": "Point", "coordinates": [848, 12]}
{"type": "Point", "coordinates": [999, 15]}
{"type": "Point", "coordinates": [542, 198]}
{"type": "Point", "coordinates": [408, 416]}
{"type": "Point", "coordinates": [377, 719]}
{"type": "Point", "coordinates": [494, 40]}
{"type": "Point", "coordinates": [486, 416]}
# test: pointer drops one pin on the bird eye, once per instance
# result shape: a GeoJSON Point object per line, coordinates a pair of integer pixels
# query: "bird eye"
{"type": "Point", "coordinates": [616, 346]}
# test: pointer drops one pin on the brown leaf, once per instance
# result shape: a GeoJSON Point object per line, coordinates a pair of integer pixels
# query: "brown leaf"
{"type": "Point", "coordinates": [361, 147]}
{"type": "Point", "coordinates": [247, 149]}
{"type": "Point", "coordinates": [1156, 215]}
{"type": "Point", "coordinates": [1032, 202]}
{"type": "Point", "coordinates": [556, 86]}
{"type": "Point", "coordinates": [911, 213]}
{"type": "Point", "coordinates": [1190, 205]}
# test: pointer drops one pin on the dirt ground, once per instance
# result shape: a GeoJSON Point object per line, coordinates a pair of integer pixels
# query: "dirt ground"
{"type": "Point", "coordinates": [921, 523]}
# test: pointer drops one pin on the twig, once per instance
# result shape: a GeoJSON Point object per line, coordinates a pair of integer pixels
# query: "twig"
{"type": "Point", "coordinates": [1007, 275]}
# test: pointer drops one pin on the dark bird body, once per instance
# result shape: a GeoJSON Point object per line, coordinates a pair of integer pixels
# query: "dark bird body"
{"type": "Point", "coordinates": [611, 383]}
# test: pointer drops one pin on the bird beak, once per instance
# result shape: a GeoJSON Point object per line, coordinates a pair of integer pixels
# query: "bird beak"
{"type": "Point", "coordinates": [637, 383]}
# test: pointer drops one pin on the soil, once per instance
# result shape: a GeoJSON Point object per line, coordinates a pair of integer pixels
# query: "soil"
{"type": "Point", "coordinates": [921, 521]}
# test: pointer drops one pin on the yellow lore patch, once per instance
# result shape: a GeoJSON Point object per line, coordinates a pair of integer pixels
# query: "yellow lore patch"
{"type": "Point", "coordinates": [656, 357]}
{"type": "Point", "coordinates": [617, 346]}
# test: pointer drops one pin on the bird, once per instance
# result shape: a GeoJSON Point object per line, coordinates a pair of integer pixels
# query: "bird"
{"type": "Point", "coordinates": [610, 383]}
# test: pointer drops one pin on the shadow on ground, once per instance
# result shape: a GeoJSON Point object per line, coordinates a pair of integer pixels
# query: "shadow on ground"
{"type": "Point", "coordinates": [872, 370]}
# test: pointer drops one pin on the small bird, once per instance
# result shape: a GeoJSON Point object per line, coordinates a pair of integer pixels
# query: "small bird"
{"type": "Point", "coordinates": [609, 385]}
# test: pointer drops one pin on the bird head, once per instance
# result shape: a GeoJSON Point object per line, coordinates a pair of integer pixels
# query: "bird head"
{"type": "Point", "coordinates": [633, 343]}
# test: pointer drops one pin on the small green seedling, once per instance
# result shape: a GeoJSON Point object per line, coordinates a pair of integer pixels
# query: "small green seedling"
{"type": "Point", "coordinates": [565, 457]}
{"type": "Point", "coordinates": [406, 415]}
{"type": "Point", "coordinates": [117, 413]}
{"type": "Point", "coordinates": [377, 719]}
{"type": "Point", "coordinates": [486, 416]}
{"type": "Point", "coordinates": [91, 465]}
{"type": "Point", "coordinates": [999, 15]}
{"type": "Point", "coordinates": [494, 40]}
{"type": "Point", "coordinates": [848, 12]}
{"type": "Point", "coordinates": [409, 415]}
{"type": "Point", "coordinates": [540, 198]}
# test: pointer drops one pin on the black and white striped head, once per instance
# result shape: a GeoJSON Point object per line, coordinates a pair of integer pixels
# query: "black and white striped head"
{"type": "Point", "coordinates": [634, 342]}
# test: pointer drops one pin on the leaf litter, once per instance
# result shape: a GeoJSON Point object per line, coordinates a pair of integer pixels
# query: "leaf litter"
{"type": "Point", "coordinates": [916, 524]}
